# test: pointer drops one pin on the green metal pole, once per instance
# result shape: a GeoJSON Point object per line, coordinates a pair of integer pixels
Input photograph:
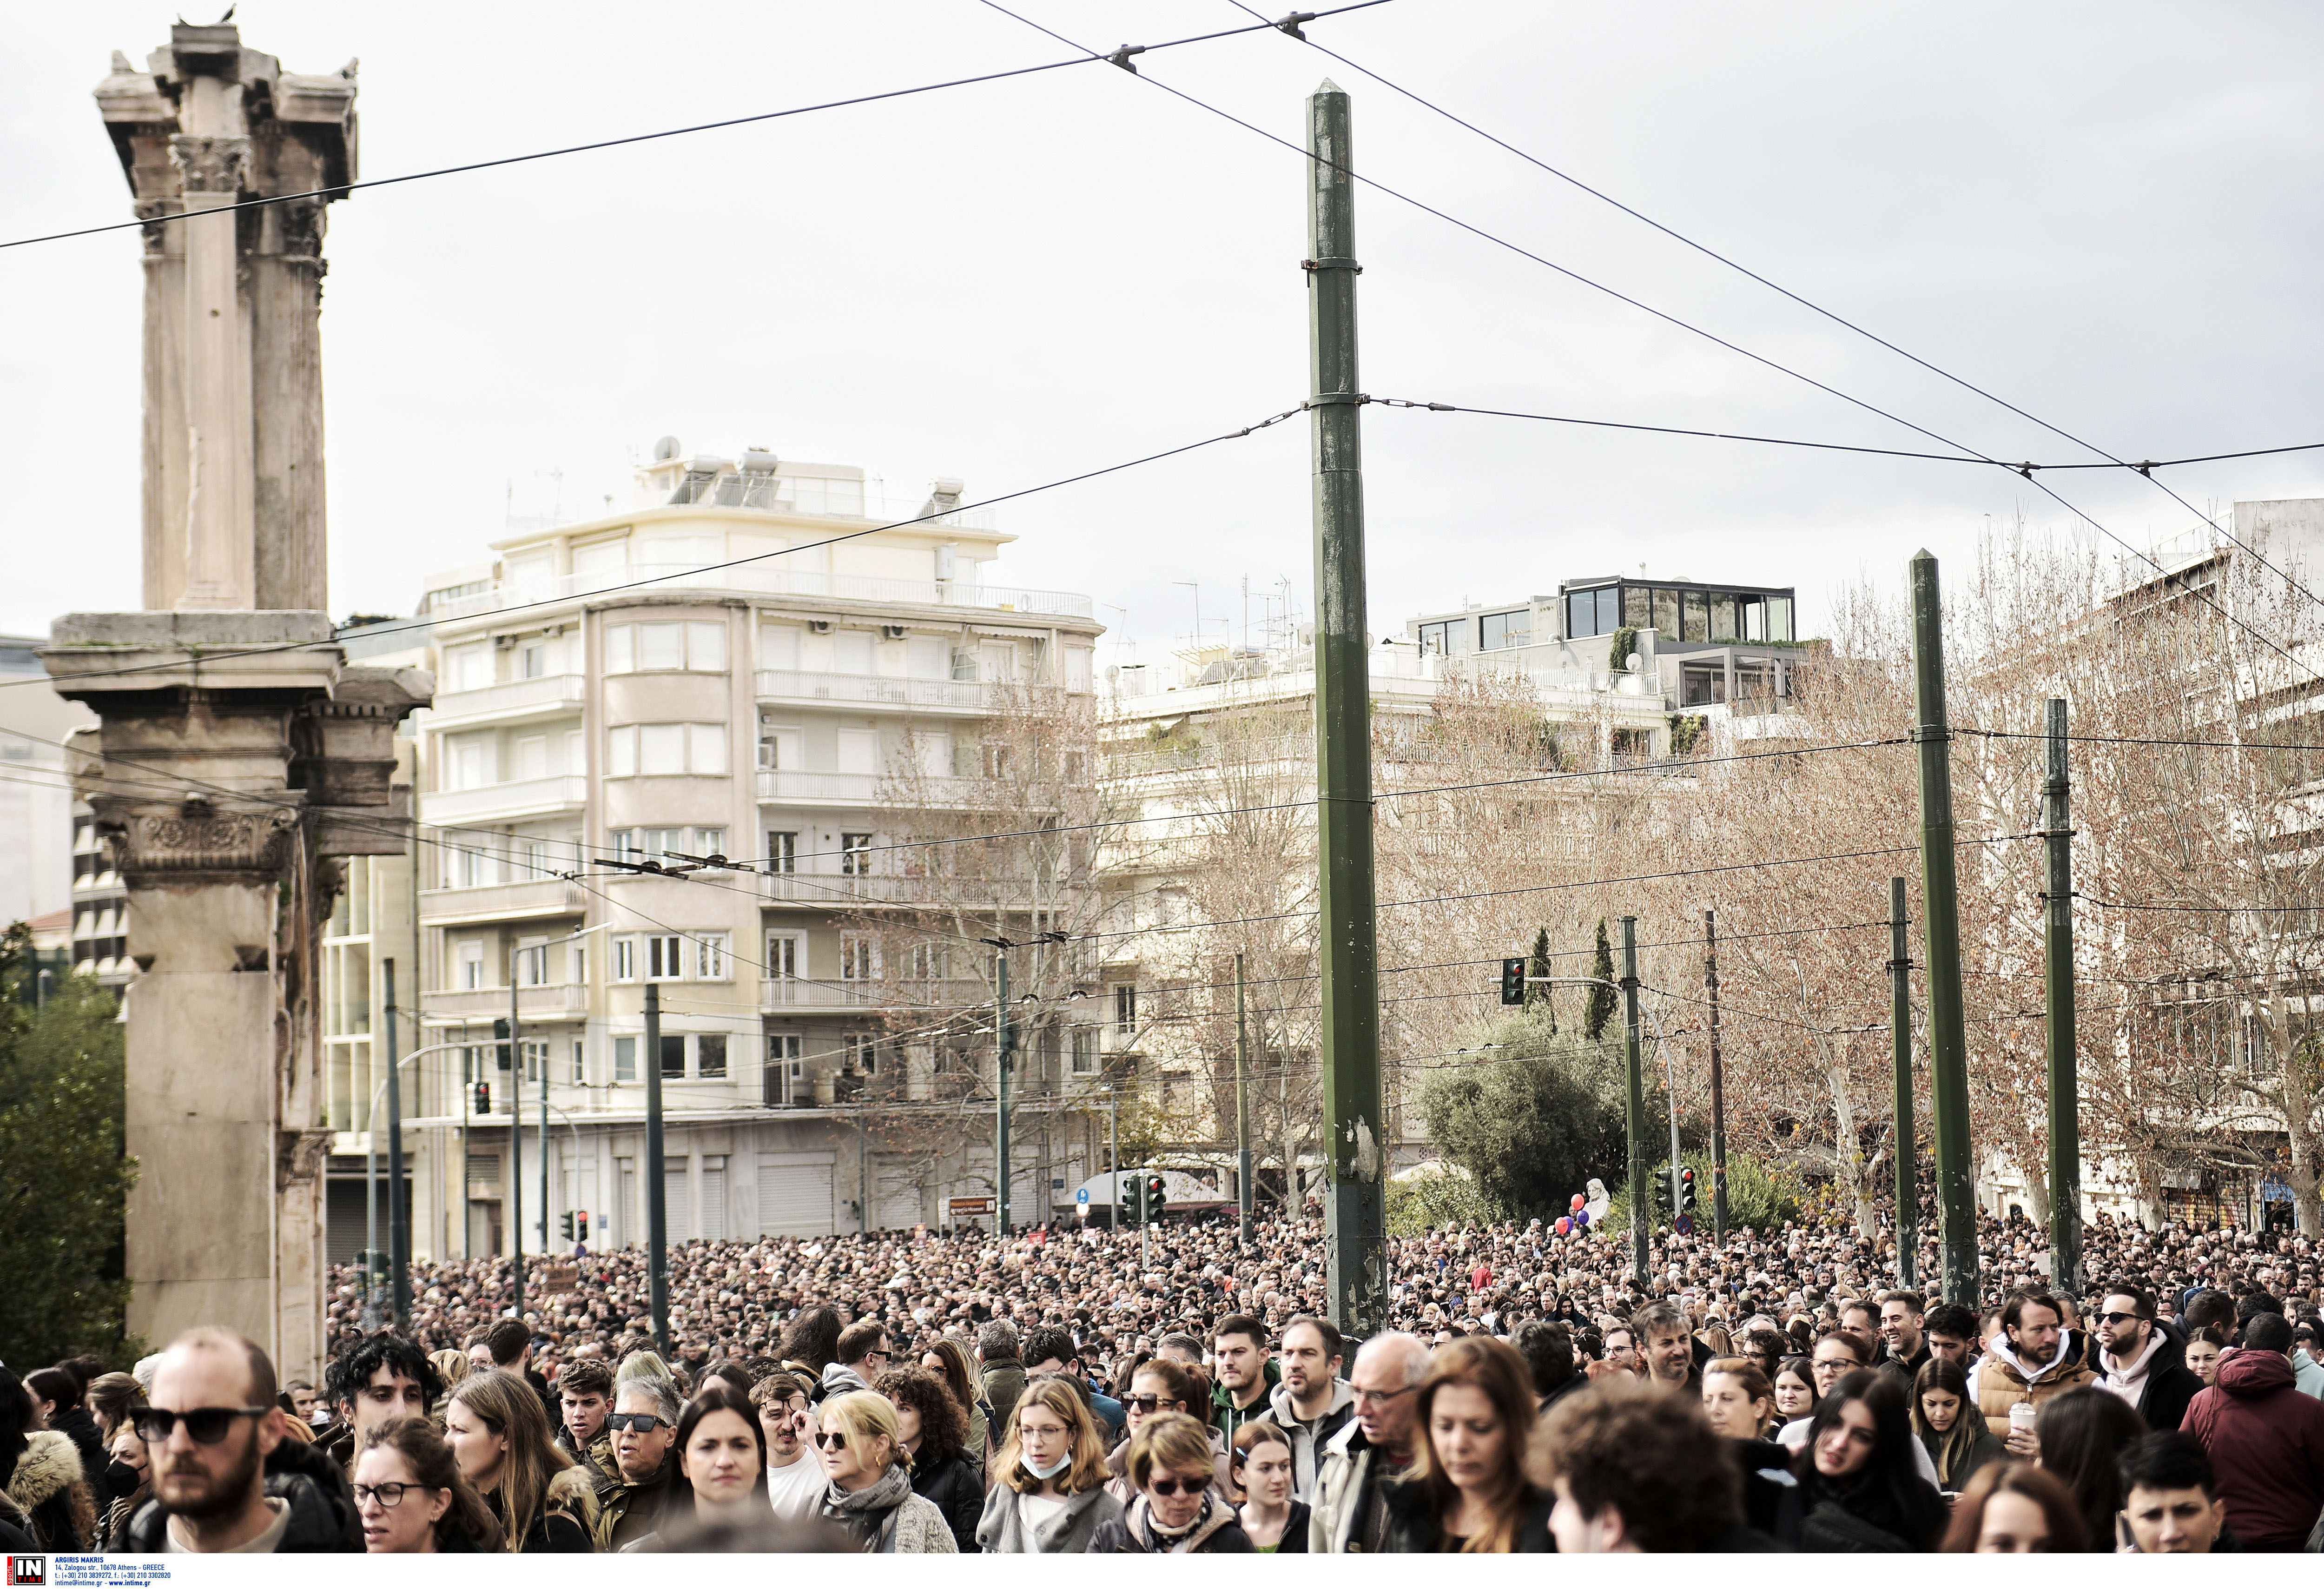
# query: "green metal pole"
{"type": "Point", "coordinates": [1355, 1217]}
{"type": "Point", "coordinates": [1641, 1203]}
{"type": "Point", "coordinates": [1717, 1083]}
{"type": "Point", "coordinates": [1242, 1110]}
{"type": "Point", "coordinates": [2058, 988]}
{"type": "Point", "coordinates": [1900, 1032]}
{"type": "Point", "coordinates": [1940, 899]}
{"type": "Point", "coordinates": [516, 1142]}
{"type": "Point", "coordinates": [1000, 1043]}
{"type": "Point", "coordinates": [399, 1211]}
{"type": "Point", "coordinates": [657, 1210]}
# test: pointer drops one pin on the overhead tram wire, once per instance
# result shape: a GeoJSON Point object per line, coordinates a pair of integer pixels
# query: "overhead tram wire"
{"type": "Point", "coordinates": [1289, 27]}
{"type": "Point", "coordinates": [2028, 470]}
{"type": "Point", "coordinates": [343, 188]}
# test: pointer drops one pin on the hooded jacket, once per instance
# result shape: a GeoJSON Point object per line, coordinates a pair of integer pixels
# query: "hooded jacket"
{"type": "Point", "coordinates": [1002, 1530]}
{"type": "Point", "coordinates": [317, 1526]}
{"type": "Point", "coordinates": [2158, 1383]}
{"type": "Point", "coordinates": [1307, 1440]}
{"type": "Point", "coordinates": [1216, 1532]}
{"type": "Point", "coordinates": [2266, 1445]}
{"type": "Point", "coordinates": [53, 1493]}
{"type": "Point", "coordinates": [1227, 1417]}
{"type": "Point", "coordinates": [2002, 1380]}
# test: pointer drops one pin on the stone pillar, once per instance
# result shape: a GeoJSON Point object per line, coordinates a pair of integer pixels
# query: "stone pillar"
{"type": "Point", "coordinates": [237, 757]}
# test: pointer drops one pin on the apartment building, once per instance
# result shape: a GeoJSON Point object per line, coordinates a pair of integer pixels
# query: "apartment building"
{"type": "Point", "coordinates": [662, 752]}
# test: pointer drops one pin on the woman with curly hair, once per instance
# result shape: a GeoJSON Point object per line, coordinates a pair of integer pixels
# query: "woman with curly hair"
{"type": "Point", "coordinates": [932, 1426]}
{"type": "Point", "coordinates": [496, 1428]}
{"type": "Point", "coordinates": [1469, 1492]}
{"type": "Point", "coordinates": [412, 1497]}
{"type": "Point", "coordinates": [948, 1360]}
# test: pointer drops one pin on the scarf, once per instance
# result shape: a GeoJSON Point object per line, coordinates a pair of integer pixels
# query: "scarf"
{"type": "Point", "coordinates": [1162, 1540]}
{"type": "Point", "coordinates": [869, 1513]}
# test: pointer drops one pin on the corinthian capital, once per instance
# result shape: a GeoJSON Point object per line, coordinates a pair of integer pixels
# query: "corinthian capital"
{"type": "Point", "coordinates": [210, 164]}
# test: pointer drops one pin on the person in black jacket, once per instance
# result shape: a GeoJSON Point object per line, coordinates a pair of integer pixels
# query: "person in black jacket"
{"type": "Point", "coordinates": [934, 1426]}
{"type": "Point", "coordinates": [1634, 1468]}
{"type": "Point", "coordinates": [1473, 1416]}
{"type": "Point", "coordinates": [1176, 1513]}
{"type": "Point", "coordinates": [57, 1393]}
{"type": "Point", "coordinates": [1860, 1487]}
{"type": "Point", "coordinates": [2142, 1359]}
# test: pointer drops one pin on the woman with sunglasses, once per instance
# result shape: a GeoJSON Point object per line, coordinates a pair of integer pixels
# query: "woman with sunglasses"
{"type": "Point", "coordinates": [412, 1498]}
{"type": "Point", "coordinates": [862, 1448]}
{"type": "Point", "coordinates": [1048, 1496]}
{"type": "Point", "coordinates": [932, 1424]}
{"type": "Point", "coordinates": [1469, 1492]}
{"type": "Point", "coordinates": [1859, 1487]}
{"type": "Point", "coordinates": [1276, 1523]}
{"type": "Point", "coordinates": [499, 1433]}
{"type": "Point", "coordinates": [1176, 1513]}
{"type": "Point", "coordinates": [1160, 1386]}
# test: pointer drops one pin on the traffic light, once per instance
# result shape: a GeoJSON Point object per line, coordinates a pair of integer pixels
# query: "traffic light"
{"type": "Point", "coordinates": [1156, 1196]}
{"type": "Point", "coordinates": [1129, 1185]}
{"type": "Point", "coordinates": [483, 1097]}
{"type": "Point", "coordinates": [565, 1226]}
{"type": "Point", "coordinates": [581, 1223]}
{"type": "Point", "coordinates": [1513, 975]}
{"type": "Point", "coordinates": [500, 1044]}
{"type": "Point", "coordinates": [1686, 1191]}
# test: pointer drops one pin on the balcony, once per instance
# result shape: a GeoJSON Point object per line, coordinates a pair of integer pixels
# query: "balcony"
{"type": "Point", "coordinates": [926, 695]}
{"type": "Point", "coordinates": [793, 786]}
{"type": "Point", "coordinates": [820, 888]}
{"type": "Point", "coordinates": [557, 1002]}
{"type": "Point", "coordinates": [554, 695]}
{"type": "Point", "coordinates": [565, 795]}
{"type": "Point", "coordinates": [780, 994]}
{"type": "Point", "coordinates": [770, 579]}
{"type": "Point", "coordinates": [507, 901]}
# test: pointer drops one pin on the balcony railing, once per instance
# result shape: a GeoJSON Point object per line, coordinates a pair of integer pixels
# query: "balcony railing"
{"type": "Point", "coordinates": [863, 789]}
{"type": "Point", "coordinates": [820, 888]}
{"type": "Point", "coordinates": [559, 1000]}
{"type": "Point", "coordinates": [857, 690]}
{"type": "Point", "coordinates": [525, 797]}
{"type": "Point", "coordinates": [547, 896]}
{"type": "Point", "coordinates": [777, 993]}
{"type": "Point", "coordinates": [770, 579]}
{"type": "Point", "coordinates": [549, 696]}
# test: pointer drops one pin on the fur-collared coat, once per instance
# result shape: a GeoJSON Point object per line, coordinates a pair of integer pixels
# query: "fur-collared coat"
{"type": "Point", "coordinates": [50, 1490]}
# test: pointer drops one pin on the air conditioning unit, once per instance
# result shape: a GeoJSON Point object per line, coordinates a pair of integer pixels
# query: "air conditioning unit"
{"type": "Point", "coordinates": [503, 643]}
{"type": "Point", "coordinates": [892, 630]}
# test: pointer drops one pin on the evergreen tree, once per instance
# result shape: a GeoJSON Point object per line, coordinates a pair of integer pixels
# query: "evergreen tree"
{"type": "Point", "coordinates": [1540, 993]}
{"type": "Point", "coordinates": [1601, 993]}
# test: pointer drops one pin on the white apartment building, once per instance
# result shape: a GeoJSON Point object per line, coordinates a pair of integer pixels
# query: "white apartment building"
{"type": "Point", "coordinates": [733, 668]}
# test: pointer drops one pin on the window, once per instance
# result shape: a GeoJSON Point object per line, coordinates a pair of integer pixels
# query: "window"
{"type": "Point", "coordinates": [1722, 620]}
{"type": "Point", "coordinates": [780, 749]}
{"type": "Point", "coordinates": [532, 964]}
{"type": "Point", "coordinates": [782, 850]}
{"type": "Point", "coordinates": [863, 1054]}
{"type": "Point", "coordinates": [471, 869]}
{"type": "Point", "coordinates": [786, 1078]}
{"type": "Point", "coordinates": [859, 750]}
{"type": "Point", "coordinates": [709, 841]}
{"type": "Point", "coordinates": [533, 659]}
{"type": "Point", "coordinates": [994, 759]}
{"type": "Point", "coordinates": [929, 963]}
{"type": "Point", "coordinates": [639, 648]}
{"type": "Point", "coordinates": [533, 855]}
{"type": "Point", "coordinates": [470, 956]}
{"type": "Point", "coordinates": [660, 646]}
{"type": "Point", "coordinates": [625, 959]}
{"type": "Point", "coordinates": [783, 957]}
{"type": "Point", "coordinates": [472, 761]}
{"type": "Point", "coordinates": [535, 1060]}
{"type": "Point", "coordinates": [1084, 1050]}
{"type": "Point", "coordinates": [858, 957]}
{"type": "Point", "coordinates": [533, 756]}
{"type": "Point", "coordinates": [577, 957]}
{"type": "Point", "coordinates": [1444, 640]}
{"type": "Point", "coordinates": [1637, 606]}
{"type": "Point", "coordinates": [1666, 614]}
{"type": "Point", "coordinates": [665, 959]}
{"type": "Point", "coordinates": [854, 855]}
{"type": "Point", "coordinates": [467, 666]}
{"type": "Point", "coordinates": [705, 647]}
{"type": "Point", "coordinates": [1503, 630]}
{"type": "Point", "coordinates": [713, 1187]}
{"type": "Point", "coordinates": [673, 1055]}
{"type": "Point", "coordinates": [710, 1054]}
{"type": "Point", "coordinates": [662, 750]}
{"type": "Point", "coordinates": [1695, 614]}
{"type": "Point", "coordinates": [1592, 611]}
{"type": "Point", "coordinates": [625, 1059]}
{"type": "Point", "coordinates": [1125, 1008]}
{"type": "Point", "coordinates": [580, 1070]}
{"type": "Point", "coordinates": [710, 957]}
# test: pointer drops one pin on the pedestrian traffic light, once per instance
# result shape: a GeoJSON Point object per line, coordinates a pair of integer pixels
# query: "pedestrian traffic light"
{"type": "Point", "coordinates": [1513, 975]}
{"type": "Point", "coordinates": [500, 1044]}
{"type": "Point", "coordinates": [1686, 1191]}
{"type": "Point", "coordinates": [1157, 1194]}
{"type": "Point", "coordinates": [483, 1097]}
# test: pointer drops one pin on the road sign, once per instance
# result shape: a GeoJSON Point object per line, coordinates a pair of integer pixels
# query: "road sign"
{"type": "Point", "coordinates": [971, 1207]}
{"type": "Point", "coordinates": [1684, 1224]}
{"type": "Point", "coordinates": [1081, 1197]}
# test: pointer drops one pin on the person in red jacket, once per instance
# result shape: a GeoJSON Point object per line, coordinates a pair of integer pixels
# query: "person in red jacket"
{"type": "Point", "coordinates": [2264, 1439]}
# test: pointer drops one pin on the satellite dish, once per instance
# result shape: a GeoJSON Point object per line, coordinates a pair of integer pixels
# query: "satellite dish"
{"type": "Point", "coordinates": [666, 449]}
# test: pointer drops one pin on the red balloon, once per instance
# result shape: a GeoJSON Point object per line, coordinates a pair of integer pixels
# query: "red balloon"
{"type": "Point", "coordinates": [1578, 1200]}
{"type": "Point", "coordinates": [1565, 1227]}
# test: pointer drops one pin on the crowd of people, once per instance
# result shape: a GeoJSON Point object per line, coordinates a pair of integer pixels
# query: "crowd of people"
{"type": "Point", "coordinates": [924, 1393]}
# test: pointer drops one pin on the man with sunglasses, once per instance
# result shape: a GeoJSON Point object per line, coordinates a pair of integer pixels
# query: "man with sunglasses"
{"type": "Point", "coordinates": [644, 1424]}
{"type": "Point", "coordinates": [209, 1428]}
{"type": "Point", "coordinates": [2141, 1361]}
{"type": "Point", "coordinates": [863, 1358]}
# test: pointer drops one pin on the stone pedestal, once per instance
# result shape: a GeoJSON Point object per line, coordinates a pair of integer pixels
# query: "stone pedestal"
{"type": "Point", "coordinates": [236, 757]}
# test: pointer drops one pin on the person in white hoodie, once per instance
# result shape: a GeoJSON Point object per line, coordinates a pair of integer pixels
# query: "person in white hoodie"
{"type": "Point", "coordinates": [1312, 1403]}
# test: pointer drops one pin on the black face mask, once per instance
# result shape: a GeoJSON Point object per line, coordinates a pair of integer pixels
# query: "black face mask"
{"type": "Point", "coordinates": [121, 1479]}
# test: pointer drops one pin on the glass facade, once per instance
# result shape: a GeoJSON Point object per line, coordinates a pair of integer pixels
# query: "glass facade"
{"type": "Point", "coordinates": [1697, 616]}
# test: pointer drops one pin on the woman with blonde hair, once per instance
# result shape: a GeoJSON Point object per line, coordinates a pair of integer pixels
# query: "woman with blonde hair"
{"type": "Point", "coordinates": [412, 1497]}
{"type": "Point", "coordinates": [1176, 1513]}
{"type": "Point", "coordinates": [452, 1365]}
{"type": "Point", "coordinates": [1474, 1419]}
{"type": "Point", "coordinates": [1049, 1494]}
{"type": "Point", "coordinates": [861, 1444]}
{"type": "Point", "coordinates": [496, 1428]}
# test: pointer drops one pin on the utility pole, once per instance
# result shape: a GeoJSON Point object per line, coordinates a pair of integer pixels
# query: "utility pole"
{"type": "Point", "coordinates": [1717, 1083]}
{"type": "Point", "coordinates": [656, 1211]}
{"type": "Point", "coordinates": [2058, 990]}
{"type": "Point", "coordinates": [371, 1221]}
{"type": "Point", "coordinates": [1113, 1157]}
{"type": "Point", "coordinates": [516, 1141]}
{"type": "Point", "coordinates": [1355, 1223]}
{"type": "Point", "coordinates": [544, 1136]}
{"type": "Point", "coordinates": [1900, 1030]}
{"type": "Point", "coordinates": [1641, 1210]}
{"type": "Point", "coordinates": [468, 1067]}
{"type": "Point", "coordinates": [1000, 1044]}
{"type": "Point", "coordinates": [1940, 900]}
{"type": "Point", "coordinates": [399, 1207]}
{"type": "Point", "coordinates": [1242, 1110]}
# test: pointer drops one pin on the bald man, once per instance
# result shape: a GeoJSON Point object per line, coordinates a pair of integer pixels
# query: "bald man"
{"type": "Point", "coordinates": [1373, 1449]}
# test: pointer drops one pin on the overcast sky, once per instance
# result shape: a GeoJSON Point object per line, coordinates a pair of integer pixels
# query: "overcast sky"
{"type": "Point", "coordinates": [2108, 214]}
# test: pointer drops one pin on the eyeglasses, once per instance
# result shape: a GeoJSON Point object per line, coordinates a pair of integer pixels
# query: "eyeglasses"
{"type": "Point", "coordinates": [1363, 1395]}
{"type": "Point", "coordinates": [831, 1440]}
{"type": "Point", "coordinates": [1149, 1403]}
{"type": "Point", "coordinates": [205, 1425]}
{"type": "Point", "coordinates": [1170, 1485]}
{"type": "Point", "coordinates": [385, 1494]}
{"type": "Point", "coordinates": [644, 1423]}
{"type": "Point", "coordinates": [2118, 1318]}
